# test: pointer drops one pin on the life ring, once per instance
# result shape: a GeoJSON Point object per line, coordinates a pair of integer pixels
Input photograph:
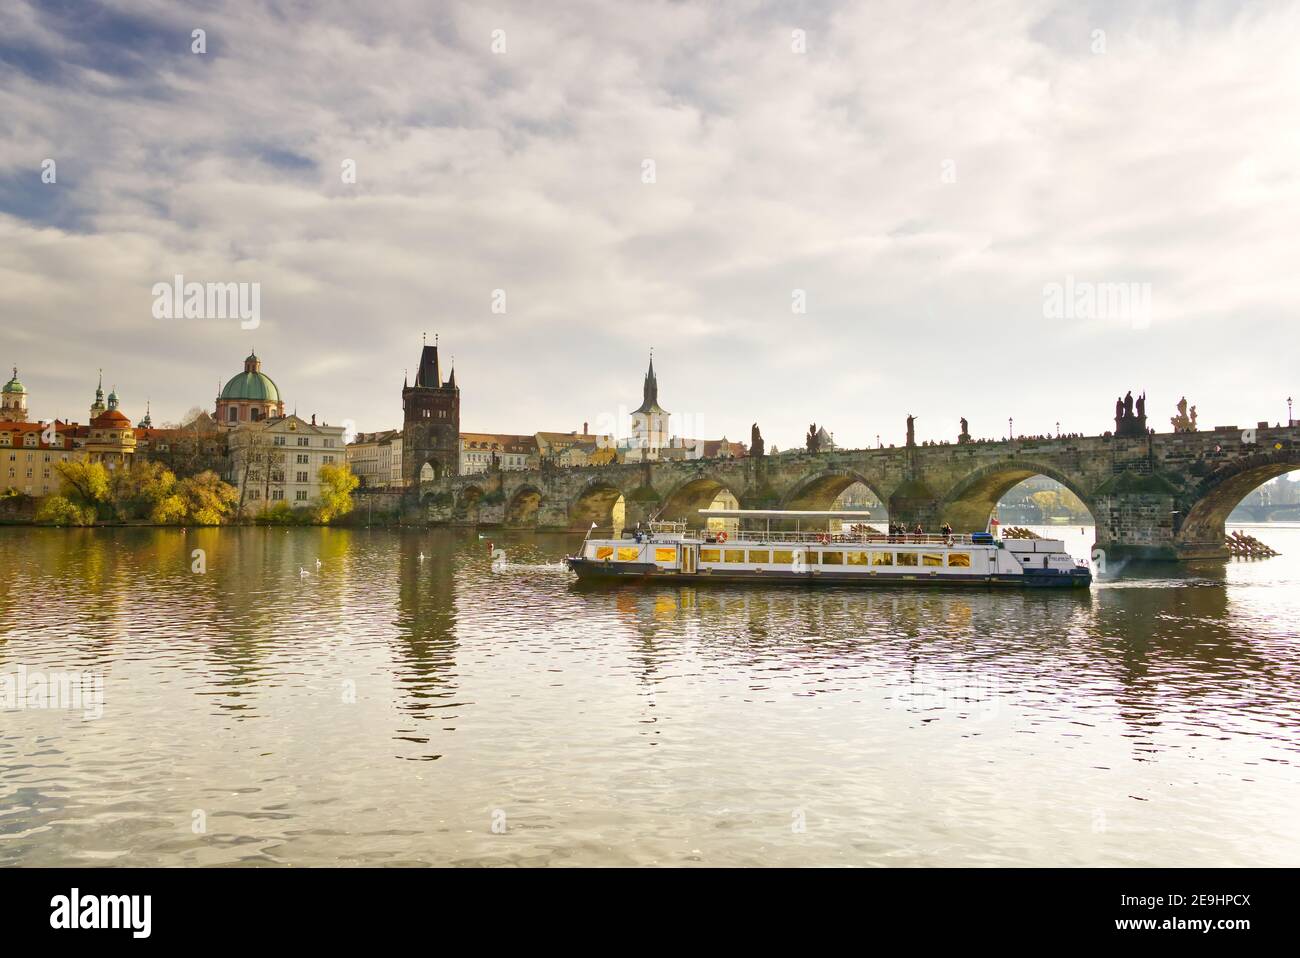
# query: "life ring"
{"type": "Point", "coordinates": [824, 538]}
{"type": "Point", "coordinates": [722, 537]}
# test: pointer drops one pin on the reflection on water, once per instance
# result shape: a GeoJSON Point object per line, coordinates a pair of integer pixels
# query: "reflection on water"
{"type": "Point", "coordinates": [389, 704]}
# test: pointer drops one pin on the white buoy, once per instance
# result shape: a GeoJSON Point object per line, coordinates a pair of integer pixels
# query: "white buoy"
{"type": "Point", "coordinates": [318, 563]}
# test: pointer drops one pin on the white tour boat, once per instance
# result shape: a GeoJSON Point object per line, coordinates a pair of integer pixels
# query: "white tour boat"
{"type": "Point", "coordinates": [857, 555]}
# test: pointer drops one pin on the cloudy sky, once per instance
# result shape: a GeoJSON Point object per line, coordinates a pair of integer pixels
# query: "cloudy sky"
{"type": "Point", "coordinates": [917, 174]}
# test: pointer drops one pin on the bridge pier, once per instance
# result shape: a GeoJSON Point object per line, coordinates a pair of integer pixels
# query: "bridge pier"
{"type": "Point", "coordinates": [1136, 518]}
{"type": "Point", "coordinates": [914, 503]}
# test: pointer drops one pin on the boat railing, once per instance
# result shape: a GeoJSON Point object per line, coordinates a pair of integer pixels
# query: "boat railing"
{"type": "Point", "coordinates": [868, 538]}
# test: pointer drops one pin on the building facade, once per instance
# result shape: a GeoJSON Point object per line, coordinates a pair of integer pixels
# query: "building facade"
{"type": "Point", "coordinates": [484, 451]}
{"type": "Point", "coordinates": [29, 452]}
{"type": "Point", "coordinates": [279, 459]}
{"type": "Point", "coordinates": [430, 422]}
{"type": "Point", "coordinates": [376, 458]}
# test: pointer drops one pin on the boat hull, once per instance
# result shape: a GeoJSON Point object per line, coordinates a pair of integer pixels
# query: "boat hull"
{"type": "Point", "coordinates": [589, 570]}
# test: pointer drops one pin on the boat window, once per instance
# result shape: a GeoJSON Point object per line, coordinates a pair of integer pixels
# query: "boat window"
{"type": "Point", "coordinates": [710, 555]}
{"type": "Point", "coordinates": [629, 553]}
{"type": "Point", "coordinates": [882, 558]}
{"type": "Point", "coordinates": [961, 559]}
{"type": "Point", "coordinates": [665, 555]}
{"type": "Point", "coordinates": [907, 558]}
{"type": "Point", "coordinates": [735, 555]}
{"type": "Point", "coordinates": [604, 552]}
{"type": "Point", "coordinates": [856, 558]}
{"type": "Point", "coordinates": [783, 556]}
{"type": "Point", "coordinates": [931, 558]}
{"type": "Point", "coordinates": [760, 555]}
{"type": "Point", "coordinates": [832, 558]}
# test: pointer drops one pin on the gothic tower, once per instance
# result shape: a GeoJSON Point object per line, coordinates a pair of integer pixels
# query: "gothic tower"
{"type": "Point", "coordinates": [430, 422]}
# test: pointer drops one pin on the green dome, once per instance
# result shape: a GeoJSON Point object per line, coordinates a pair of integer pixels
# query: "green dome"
{"type": "Point", "coordinates": [256, 386]}
{"type": "Point", "coordinates": [14, 386]}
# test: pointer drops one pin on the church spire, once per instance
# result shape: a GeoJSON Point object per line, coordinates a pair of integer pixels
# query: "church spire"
{"type": "Point", "coordinates": [650, 390]}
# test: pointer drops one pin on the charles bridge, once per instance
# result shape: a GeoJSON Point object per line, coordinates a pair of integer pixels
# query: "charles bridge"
{"type": "Point", "coordinates": [1155, 496]}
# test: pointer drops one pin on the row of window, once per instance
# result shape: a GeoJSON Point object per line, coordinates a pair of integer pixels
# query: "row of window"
{"type": "Point", "coordinates": [277, 494]}
{"type": "Point", "coordinates": [954, 560]}
{"type": "Point", "coordinates": [787, 557]}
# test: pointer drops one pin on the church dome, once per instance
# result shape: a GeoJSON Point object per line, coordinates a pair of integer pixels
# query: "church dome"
{"type": "Point", "coordinates": [252, 384]}
{"type": "Point", "coordinates": [14, 386]}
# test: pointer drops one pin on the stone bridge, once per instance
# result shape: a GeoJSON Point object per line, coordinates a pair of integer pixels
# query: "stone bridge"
{"type": "Point", "coordinates": [1160, 496]}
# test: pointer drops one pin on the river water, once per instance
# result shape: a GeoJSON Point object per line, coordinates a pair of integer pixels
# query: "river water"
{"type": "Point", "coordinates": [389, 709]}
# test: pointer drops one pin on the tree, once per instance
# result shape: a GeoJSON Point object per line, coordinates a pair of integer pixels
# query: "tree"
{"type": "Point", "coordinates": [207, 499]}
{"type": "Point", "coordinates": [85, 485]}
{"type": "Point", "coordinates": [60, 511]}
{"type": "Point", "coordinates": [337, 483]}
{"type": "Point", "coordinates": [136, 492]}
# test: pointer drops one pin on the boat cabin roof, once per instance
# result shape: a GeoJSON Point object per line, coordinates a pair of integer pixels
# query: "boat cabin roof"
{"type": "Point", "coordinates": [786, 513]}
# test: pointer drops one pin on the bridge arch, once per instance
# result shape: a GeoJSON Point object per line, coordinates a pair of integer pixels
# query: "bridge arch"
{"type": "Point", "coordinates": [523, 506]}
{"type": "Point", "coordinates": [1220, 492]}
{"type": "Point", "coordinates": [969, 504]}
{"type": "Point", "coordinates": [821, 489]}
{"type": "Point", "coordinates": [599, 501]}
{"type": "Point", "coordinates": [467, 504]}
{"type": "Point", "coordinates": [693, 494]}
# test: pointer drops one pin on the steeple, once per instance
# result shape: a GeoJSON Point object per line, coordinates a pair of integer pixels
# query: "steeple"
{"type": "Point", "coordinates": [650, 390]}
{"type": "Point", "coordinates": [147, 421]}
{"type": "Point", "coordinates": [429, 374]}
{"type": "Point", "coordinates": [451, 381]}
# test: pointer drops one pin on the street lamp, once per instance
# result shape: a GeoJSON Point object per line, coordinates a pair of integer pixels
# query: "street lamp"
{"type": "Point", "coordinates": [878, 443]}
{"type": "Point", "coordinates": [1289, 420]}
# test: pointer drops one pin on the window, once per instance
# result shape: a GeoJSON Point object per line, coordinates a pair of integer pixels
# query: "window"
{"type": "Point", "coordinates": [783, 557]}
{"type": "Point", "coordinates": [959, 559]}
{"type": "Point", "coordinates": [760, 555]}
{"type": "Point", "coordinates": [304, 441]}
{"type": "Point", "coordinates": [327, 459]}
{"type": "Point", "coordinates": [329, 443]}
{"type": "Point", "coordinates": [734, 555]}
{"type": "Point", "coordinates": [233, 415]}
{"type": "Point", "coordinates": [303, 459]}
{"type": "Point", "coordinates": [302, 477]}
{"type": "Point", "coordinates": [278, 441]}
{"type": "Point", "coordinates": [832, 558]}
{"type": "Point", "coordinates": [300, 496]}
{"type": "Point", "coordinates": [907, 558]}
{"type": "Point", "coordinates": [931, 558]}
{"type": "Point", "coordinates": [629, 553]}
{"type": "Point", "coordinates": [604, 552]}
{"type": "Point", "coordinates": [665, 554]}
{"type": "Point", "coordinates": [277, 494]}
{"type": "Point", "coordinates": [706, 555]}
{"type": "Point", "coordinates": [882, 558]}
{"type": "Point", "coordinates": [856, 558]}
{"type": "Point", "coordinates": [255, 493]}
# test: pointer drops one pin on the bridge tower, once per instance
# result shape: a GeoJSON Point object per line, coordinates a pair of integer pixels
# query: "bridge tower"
{"type": "Point", "coordinates": [430, 421]}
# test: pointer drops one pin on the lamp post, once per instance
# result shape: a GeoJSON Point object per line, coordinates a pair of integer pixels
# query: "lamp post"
{"type": "Point", "coordinates": [1289, 420]}
{"type": "Point", "coordinates": [1058, 429]}
{"type": "Point", "coordinates": [1011, 429]}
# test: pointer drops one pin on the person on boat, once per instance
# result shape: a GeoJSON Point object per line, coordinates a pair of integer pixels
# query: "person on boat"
{"type": "Point", "coordinates": [945, 530]}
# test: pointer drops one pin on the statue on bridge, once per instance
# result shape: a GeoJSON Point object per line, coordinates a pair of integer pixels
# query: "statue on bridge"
{"type": "Point", "coordinates": [911, 430]}
{"type": "Point", "coordinates": [813, 442]}
{"type": "Point", "coordinates": [1183, 422]}
{"type": "Point", "coordinates": [965, 432]}
{"type": "Point", "coordinates": [1130, 423]}
{"type": "Point", "coordinates": [755, 441]}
